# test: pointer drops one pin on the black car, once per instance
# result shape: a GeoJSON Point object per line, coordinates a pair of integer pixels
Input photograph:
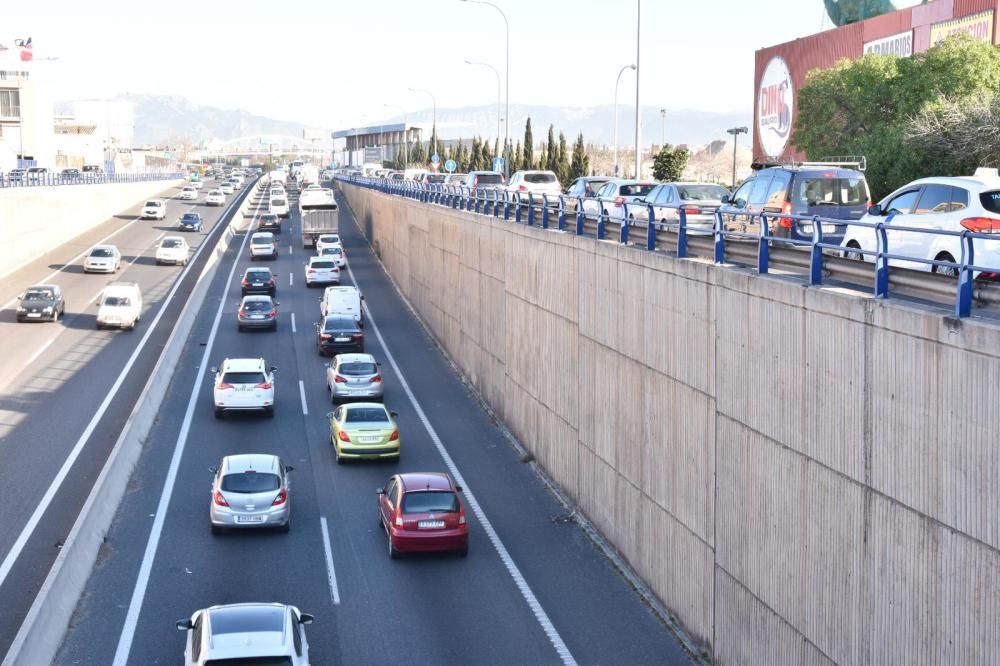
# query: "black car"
{"type": "Point", "coordinates": [259, 281]}
{"type": "Point", "coordinates": [338, 334]}
{"type": "Point", "coordinates": [269, 222]}
{"type": "Point", "coordinates": [42, 301]}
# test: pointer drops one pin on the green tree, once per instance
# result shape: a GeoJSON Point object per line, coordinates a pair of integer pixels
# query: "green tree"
{"type": "Point", "coordinates": [528, 156]}
{"type": "Point", "coordinates": [434, 145]}
{"type": "Point", "coordinates": [669, 163]}
{"type": "Point", "coordinates": [580, 164]}
{"type": "Point", "coordinates": [542, 158]}
{"type": "Point", "coordinates": [475, 157]}
{"type": "Point", "coordinates": [842, 12]}
{"type": "Point", "coordinates": [552, 151]}
{"type": "Point", "coordinates": [515, 158]}
{"type": "Point", "coordinates": [461, 156]}
{"type": "Point", "coordinates": [562, 161]}
{"type": "Point", "coordinates": [865, 107]}
{"type": "Point", "coordinates": [418, 154]}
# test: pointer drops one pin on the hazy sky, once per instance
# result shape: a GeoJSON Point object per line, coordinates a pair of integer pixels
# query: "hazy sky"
{"type": "Point", "coordinates": [336, 64]}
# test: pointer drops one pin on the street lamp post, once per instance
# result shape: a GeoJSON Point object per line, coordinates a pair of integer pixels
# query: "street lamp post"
{"type": "Point", "coordinates": [499, 114]}
{"type": "Point", "coordinates": [434, 122]}
{"type": "Point", "coordinates": [638, 108]}
{"type": "Point", "coordinates": [617, 81]}
{"type": "Point", "coordinates": [506, 120]}
{"type": "Point", "coordinates": [663, 128]}
{"type": "Point", "coordinates": [735, 132]}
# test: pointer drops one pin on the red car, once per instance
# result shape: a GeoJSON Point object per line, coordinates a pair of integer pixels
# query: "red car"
{"type": "Point", "coordinates": [422, 512]}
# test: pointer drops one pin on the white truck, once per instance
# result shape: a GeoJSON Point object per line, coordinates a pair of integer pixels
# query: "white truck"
{"type": "Point", "coordinates": [319, 213]}
{"type": "Point", "coordinates": [308, 175]}
{"type": "Point", "coordinates": [278, 176]}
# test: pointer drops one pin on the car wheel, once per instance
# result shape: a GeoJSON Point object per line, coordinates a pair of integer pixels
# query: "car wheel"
{"type": "Point", "coordinates": [99, 327]}
{"type": "Point", "coordinates": [948, 271]}
{"type": "Point", "coordinates": [607, 216]}
{"type": "Point", "coordinates": [393, 553]}
{"type": "Point", "coordinates": [239, 328]}
{"type": "Point", "coordinates": [320, 351]}
{"type": "Point", "coordinates": [854, 256]}
{"type": "Point", "coordinates": [463, 552]}
{"type": "Point", "coordinates": [269, 412]}
{"type": "Point", "coordinates": [219, 413]}
{"type": "Point", "coordinates": [336, 454]}
{"type": "Point", "coordinates": [55, 315]}
{"type": "Point", "coordinates": [157, 262]}
{"type": "Point", "coordinates": [286, 527]}
{"type": "Point", "coordinates": [216, 529]}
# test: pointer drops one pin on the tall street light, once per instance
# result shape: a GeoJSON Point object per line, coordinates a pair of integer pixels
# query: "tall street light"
{"type": "Point", "coordinates": [638, 108]}
{"type": "Point", "coordinates": [617, 81]}
{"type": "Point", "coordinates": [736, 131]}
{"type": "Point", "coordinates": [499, 114]}
{"type": "Point", "coordinates": [506, 120]}
{"type": "Point", "coordinates": [663, 128]}
{"type": "Point", "coordinates": [406, 140]}
{"type": "Point", "coordinates": [434, 122]}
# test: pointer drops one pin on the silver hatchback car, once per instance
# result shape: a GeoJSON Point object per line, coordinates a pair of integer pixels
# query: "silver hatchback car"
{"type": "Point", "coordinates": [354, 376]}
{"type": "Point", "coordinates": [257, 311]}
{"type": "Point", "coordinates": [250, 491]}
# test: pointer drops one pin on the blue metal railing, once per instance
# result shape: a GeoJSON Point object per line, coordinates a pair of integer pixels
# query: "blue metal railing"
{"type": "Point", "coordinates": [724, 226]}
{"type": "Point", "coordinates": [83, 178]}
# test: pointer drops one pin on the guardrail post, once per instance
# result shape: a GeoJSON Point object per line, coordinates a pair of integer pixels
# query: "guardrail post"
{"type": "Point", "coordinates": [816, 254]}
{"type": "Point", "coordinates": [601, 224]}
{"type": "Point", "coordinates": [881, 260]}
{"type": "Point", "coordinates": [545, 211]}
{"type": "Point", "coordinates": [623, 229]}
{"type": "Point", "coordinates": [561, 220]}
{"type": "Point", "coordinates": [963, 297]}
{"type": "Point", "coordinates": [472, 196]}
{"type": "Point", "coordinates": [682, 231]}
{"type": "Point", "coordinates": [496, 203]}
{"type": "Point", "coordinates": [720, 240]}
{"type": "Point", "coordinates": [764, 246]}
{"type": "Point", "coordinates": [477, 200]}
{"type": "Point", "coordinates": [531, 209]}
{"type": "Point", "coordinates": [506, 206]}
{"type": "Point", "coordinates": [579, 216]}
{"type": "Point", "coordinates": [517, 208]}
{"type": "Point", "coordinates": [650, 227]}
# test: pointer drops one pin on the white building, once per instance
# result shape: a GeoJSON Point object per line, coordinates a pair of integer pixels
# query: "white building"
{"type": "Point", "coordinates": [26, 110]}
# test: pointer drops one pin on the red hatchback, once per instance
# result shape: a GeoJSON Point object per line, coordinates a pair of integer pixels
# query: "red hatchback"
{"type": "Point", "coordinates": [422, 512]}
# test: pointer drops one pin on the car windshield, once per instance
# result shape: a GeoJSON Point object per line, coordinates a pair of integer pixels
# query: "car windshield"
{"type": "Point", "coordinates": [701, 192]}
{"type": "Point", "coordinates": [268, 218]}
{"type": "Point", "coordinates": [540, 177]}
{"type": "Point", "coordinates": [260, 239]}
{"type": "Point", "coordinates": [242, 620]}
{"type": "Point", "coordinates": [258, 276]}
{"type": "Point", "coordinates": [335, 250]}
{"type": "Point", "coordinates": [243, 378]}
{"type": "Point", "coordinates": [436, 178]}
{"type": "Point", "coordinates": [321, 264]}
{"type": "Point", "coordinates": [488, 179]}
{"type": "Point", "coordinates": [357, 369]}
{"type": "Point", "coordinates": [102, 252]}
{"type": "Point", "coordinates": [257, 306]}
{"type": "Point", "coordinates": [990, 201]}
{"type": "Point", "coordinates": [821, 191]}
{"type": "Point", "coordinates": [278, 202]}
{"type": "Point", "coordinates": [329, 238]}
{"type": "Point", "coordinates": [250, 482]}
{"type": "Point", "coordinates": [637, 190]}
{"type": "Point", "coordinates": [366, 415]}
{"type": "Point", "coordinates": [171, 242]}
{"type": "Point", "coordinates": [152, 204]}
{"type": "Point", "coordinates": [117, 301]}
{"type": "Point", "coordinates": [251, 661]}
{"type": "Point", "coordinates": [433, 501]}
{"type": "Point", "coordinates": [191, 217]}
{"type": "Point", "coordinates": [339, 324]}
{"type": "Point", "coordinates": [38, 295]}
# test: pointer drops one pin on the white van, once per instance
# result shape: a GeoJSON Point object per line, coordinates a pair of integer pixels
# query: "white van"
{"type": "Point", "coordinates": [120, 306]}
{"type": "Point", "coordinates": [344, 301]}
{"type": "Point", "coordinates": [278, 205]}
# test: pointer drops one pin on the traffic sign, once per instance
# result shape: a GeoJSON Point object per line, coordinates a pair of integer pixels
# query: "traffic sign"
{"type": "Point", "coordinates": [435, 158]}
{"type": "Point", "coordinates": [450, 166]}
{"type": "Point", "coordinates": [498, 164]}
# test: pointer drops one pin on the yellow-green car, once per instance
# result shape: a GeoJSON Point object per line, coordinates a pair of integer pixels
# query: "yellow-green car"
{"type": "Point", "coordinates": [364, 431]}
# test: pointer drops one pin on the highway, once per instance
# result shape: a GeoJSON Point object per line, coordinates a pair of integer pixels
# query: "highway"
{"type": "Point", "coordinates": [67, 388]}
{"type": "Point", "coordinates": [534, 589]}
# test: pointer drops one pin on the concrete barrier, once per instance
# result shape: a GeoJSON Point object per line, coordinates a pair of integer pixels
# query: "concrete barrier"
{"type": "Point", "coordinates": [38, 219]}
{"type": "Point", "coordinates": [40, 636]}
{"type": "Point", "coordinates": [801, 475]}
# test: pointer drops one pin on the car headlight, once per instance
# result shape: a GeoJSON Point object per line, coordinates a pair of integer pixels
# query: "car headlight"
{"type": "Point", "coordinates": [20, 308]}
{"type": "Point", "coordinates": [47, 309]}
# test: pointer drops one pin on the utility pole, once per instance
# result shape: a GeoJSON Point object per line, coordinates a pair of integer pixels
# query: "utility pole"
{"type": "Point", "coordinates": [663, 128]}
{"type": "Point", "coordinates": [735, 132]}
{"type": "Point", "coordinates": [617, 81]}
{"type": "Point", "coordinates": [638, 107]}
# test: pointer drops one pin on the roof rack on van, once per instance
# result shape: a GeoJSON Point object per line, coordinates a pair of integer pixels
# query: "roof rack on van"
{"type": "Point", "coordinates": [840, 161]}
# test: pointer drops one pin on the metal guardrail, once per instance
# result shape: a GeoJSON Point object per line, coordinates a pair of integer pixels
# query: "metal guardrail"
{"type": "Point", "coordinates": [51, 179]}
{"type": "Point", "coordinates": [816, 258]}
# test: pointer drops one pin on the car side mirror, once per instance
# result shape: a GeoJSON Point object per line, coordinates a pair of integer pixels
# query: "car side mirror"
{"type": "Point", "coordinates": [276, 303]}
{"type": "Point", "coordinates": [184, 625]}
{"type": "Point", "coordinates": [875, 210]}
{"type": "Point", "coordinates": [306, 618]}
{"type": "Point", "coordinates": [329, 416]}
{"type": "Point", "coordinates": [393, 414]}
{"type": "Point", "coordinates": [289, 468]}
{"type": "Point", "coordinates": [272, 368]}
{"type": "Point", "coordinates": [458, 488]}
{"type": "Point", "coordinates": [380, 491]}
{"type": "Point", "coordinates": [213, 469]}
{"type": "Point", "coordinates": [725, 199]}
{"type": "Point", "coordinates": [214, 370]}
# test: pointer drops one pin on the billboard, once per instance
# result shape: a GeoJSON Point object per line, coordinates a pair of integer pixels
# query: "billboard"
{"type": "Point", "coordinates": [775, 103]}
{"type": "Point", "coordinates": [979, 26]}
{"type": "Point", "coordinates": [900, 44]}
{"type": "Point", "coordinates": [373, 155]}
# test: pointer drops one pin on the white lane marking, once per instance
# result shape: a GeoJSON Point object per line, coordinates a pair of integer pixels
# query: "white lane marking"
{"type": "Point", "coordinates": [291, 279]}
{"type": "Point", "coordinates": [142, 581]}
{"type": "Point", "coordinates": [293, 323]}
{"type": "Point", "coordinates": [302, 395]}
{"type": "Point", "coordinates": [289, 249]}
{"type": "Point", "coordinates": [50, 493]}
{"type": "Point", "coordinates": [34, 357]}
{"type": "Point", "coordinates": [470, 499]}
{"type": "Point", "coordinates": [141, 254]}
{"type": "Point", "coordinates": [330, 573]}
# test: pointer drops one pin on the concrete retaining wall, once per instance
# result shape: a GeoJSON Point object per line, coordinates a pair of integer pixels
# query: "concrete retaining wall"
{"type": "Point", "coordinates": [38, 219]}
{"type": "Point", "coordinates": [801, 476]}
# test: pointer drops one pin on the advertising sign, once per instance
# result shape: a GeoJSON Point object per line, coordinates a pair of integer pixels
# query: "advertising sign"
{"type": "Point", "coordinates": [775, 103]}
{"type": "Point", "coordinates": [900, 44]}
{"type": "Point", "coordinates": [979, 26]}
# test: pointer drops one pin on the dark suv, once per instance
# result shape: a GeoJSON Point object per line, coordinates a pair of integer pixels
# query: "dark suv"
{"type": "Point", "coordinates": [836, 190]}
{"type": "Point", "coordinates": [269, 222]}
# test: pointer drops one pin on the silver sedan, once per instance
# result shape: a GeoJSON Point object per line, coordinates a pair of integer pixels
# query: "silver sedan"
{"type": "Point", "coordinates": [250, 491]}
{"type": "Point", "coordinates": [354, 376]}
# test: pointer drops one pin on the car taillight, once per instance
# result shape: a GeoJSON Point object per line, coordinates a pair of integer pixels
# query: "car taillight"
{"type": "Point", "coordinates": [244, 282]}
{"type": "Point", "coordinates": [619, 201]}
{"type": "Point", "coordinates": [325, 336]}
{"type": "Point", "coordinates": [271, 282]}
{"type": "Point", "coordinates": [310, 270]}
{"type": "Point", "coordinates": [522, 188]}
{"type": "Point", "coordinates": [243, 313]}
{"type": "Point", "coordinates": [377, 379]}
{"type": "Point", "coordinates": [219, 499]}
{"type": "Point", "coordinates": [461, 519]}
{"type": "Point", "coordinates": [394, 436]}
{"type": "Point", "coordinates": [399, 521]}
{"type": "Point", "coordinates": [340, 380]}
{"type": "Point", "coordinates": [358, 336]}
{"type": "Point", "coordinates": [274, 313]}
{"type": "Point", "coordinates": [223, 386]}
{"type": "Point", "coordinates": [264, 385]}
{"type": "Point", "coordinates": [280, 499]}
{"type": "Point", "coordinates": [982, 225]}
{"type": "Point", "coordinates": [786, 222]}
{"type": "Point", "coordinates": [343, 436]}
{"type": "Point", "coordinates": [692, 211]}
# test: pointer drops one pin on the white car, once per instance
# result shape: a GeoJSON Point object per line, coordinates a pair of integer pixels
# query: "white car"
{"type": "Point", "coordinates": [344, 301]}
{"type": "Point", "coordinates": [246, 634]}
{"type": "Point", "coordinates": [198, 184]}
{"type": "Point", "coordinates": [970, 203]}
{"type": "Point", "coordinates": [243, 384]}
{"type": "Point", "coordinates": [536, 183]}
{"type": "Point", "coordinates": [215, 198]}
{"type": "Point", "coordinates": [154, 209]}
{"type": "Point", "coordinates": [327, 240]}
{"type": "Point", "coordinates": [613, 195]}
{"type": "Point", "coordinates": [278, 205]}
{"type": "Point", "coordinates": [226, 187]}
{"type": "Point", "coordinates": [102, 259]}
{"type": "Point", "coordinates": [172, 250]}
{"type": "Point", "coordinates": [263, 244]}
{"type": "Point", "coordinates": [335, 252]}
{"type": "Point", "coordinates": [188, 193]}
{"type": "Point", "coordinates": [322, 270]}
{"type": "Point", "coordinates": [119, 306]}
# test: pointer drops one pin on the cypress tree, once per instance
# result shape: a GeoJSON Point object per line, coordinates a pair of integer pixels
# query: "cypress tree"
{"type": "Point", "coordinates": [528, 156]}
{"type": "Point", "coordinates": [476, 154]}
{"type": "Point", "coordinates": [580, 164]}
{"type": "Point", "coordinates": [552, 161]}
{"type": "Point", "coordinates": [542, 158]}
{"type": "Point", "coordinates": [515, 158]}
{"type": "Point", "coordinates": [562, 161]}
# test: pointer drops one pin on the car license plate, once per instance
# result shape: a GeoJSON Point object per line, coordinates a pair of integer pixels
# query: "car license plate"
{"type": "Point", "coordinates": [34, 314]}
{"type": "Point", "coordinates": [341, 339]}
{"type": "Point", "coordinates": [256, 316]}
{"type": "Point", "coordinates": [249, 519]}
{"type": "Point", "coordinates": [370, 439]}
{"type": "Point", "coordinates": [258, 284]}
{"type": "Point", "coordinates": [430, 524]}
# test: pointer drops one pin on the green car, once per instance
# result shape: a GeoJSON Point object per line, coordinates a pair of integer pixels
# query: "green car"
{"type": "Point", "coordinates": [364, 431]}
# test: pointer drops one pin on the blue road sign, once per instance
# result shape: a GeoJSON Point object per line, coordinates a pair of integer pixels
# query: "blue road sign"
{"type": "Point", "coordinates": [435, 158]}
{"type": "Point", "coordinates": [450, 165]}
{"type": "Point", "coordinates": [498, 164]}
